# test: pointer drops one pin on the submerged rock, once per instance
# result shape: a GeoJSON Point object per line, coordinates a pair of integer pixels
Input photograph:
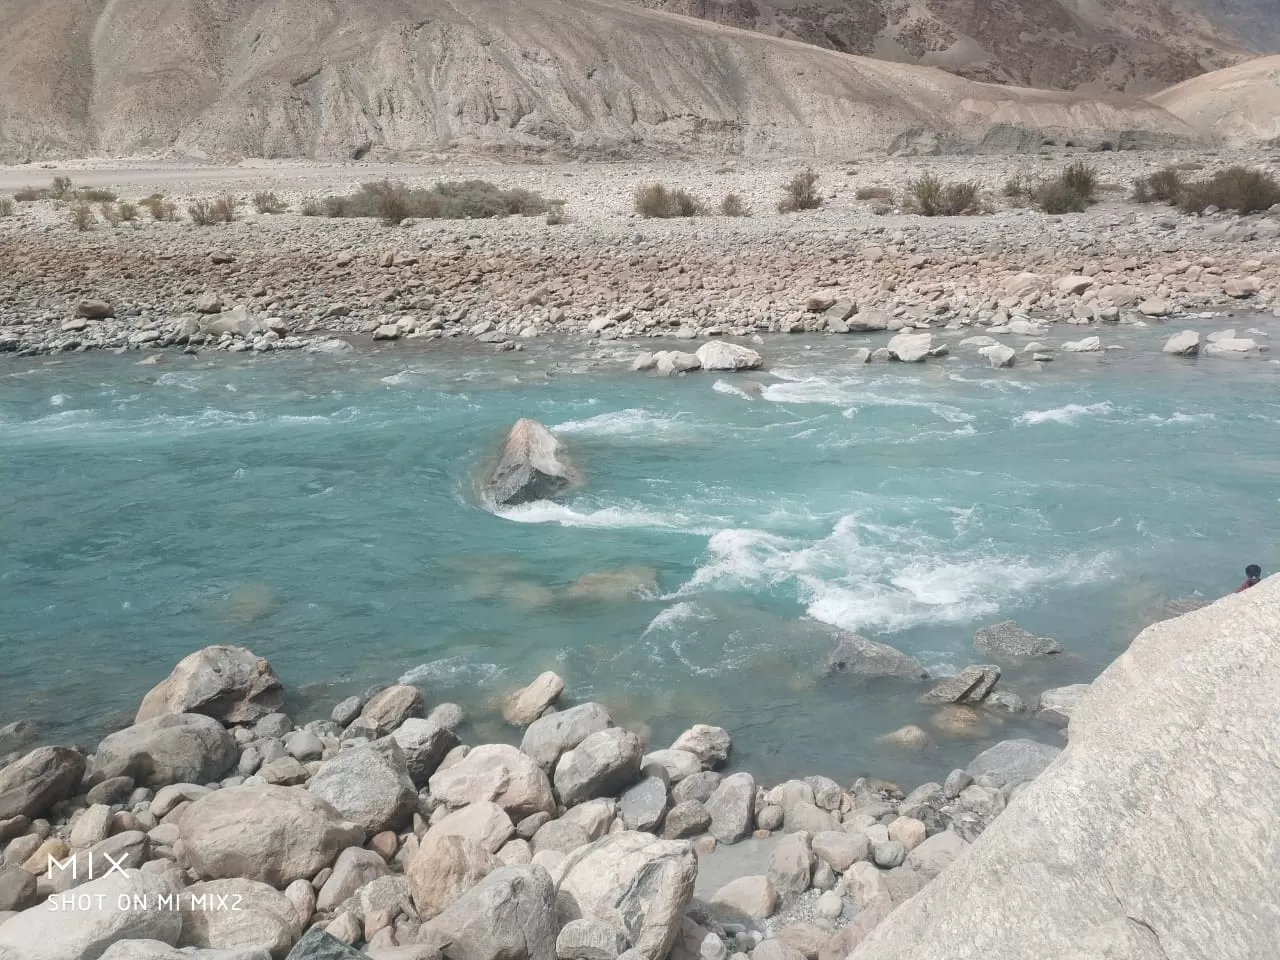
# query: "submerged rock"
{"type": "Point", "coordinates": [970, 685]}
{"type": "Point", "coordinates": [858, 656]}
{"type": "Point", "coordinates": [1184, 344]}
{"type": "Point", "coordinates": [531, 465]}
{"type": "Point", "coordinates": [1011, 640]}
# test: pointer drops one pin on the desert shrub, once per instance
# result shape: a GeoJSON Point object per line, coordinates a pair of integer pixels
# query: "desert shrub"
{"type": "Point", "coordinates": [224, 208]}
{"type": "Point", "coordinates": [201, 213]}
{"type": "Point", "coordinates": [931, 197]}
{"type": "Point", "coordinates": [734, 206]}
{"type": "Point", "coordinates": [655, 200]}
{"type": "Point", "coordinates": [61, 188]}
{"type": "Point", "coordinates": [31, 194]}
{"type": "Point", "coordinates": [311, 208]}
{"type": "Point", "coordinates": [109, 213]}
{"type": "Point", "coordinates": [800, 193]}
{"type": "Point", "coordinates": [1055, 197]}
{"type": "Point", "coordinates": [6, 207]}
{"type": "Point", "coordinates": [1236, 188]}
{"type": "Point", "coordinates": [128, 211]}
{"type": "Point", "coordinates": [1019, 188]}
{"type": "Point", "coordinates": [160, 208]}
{"type": "Point", "coordinates": [265, 201]}
{"type": "Point", "coordinates": [1080, 178]}
{"type": "Point", "coordinates": [393, 202]}
{"type": "Point", "coordinates": [874, 193]}
{"type": "Point", "coordinates": [96, 195]}
{"type": "Point", "coordinates": [388, 201]}
{"type": "Point", "coordinates": [82, 216]}
{"type": "Point", "coordinates": [1163, 186]}
{"type": "Point", "coordinates": [881, 210]}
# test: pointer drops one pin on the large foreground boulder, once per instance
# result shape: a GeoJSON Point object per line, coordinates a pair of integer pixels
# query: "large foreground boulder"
{"type": "Point", "coordinates": [32, 784]}
{"type": "Point", "coordinates": [118, 907]}
{"type": "Point", "coordinates": [171, 748]}
{"type": "Point", "coordinates": [531, 465]}
{"type": "Point", "coordinates": [238, 915]}
{"type": "Point", "coordinates": [511, 915]}
{"type": "Point", "coordinates": [1153, 835]}
{"type": "Point", "coordinates": [634, 882]}
{"type": "Point", "coordinates": [717, 355]}
{"type": "Point", "coordinates": [230, 684]}
{"type": "Point", "coordinates": [267, 833]}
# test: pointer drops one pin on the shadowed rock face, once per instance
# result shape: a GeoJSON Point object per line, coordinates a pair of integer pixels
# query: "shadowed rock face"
{"type": "Point", "coordinates": [531, 465]}
{"type": "Point", "coordinates": [340, 78]}
{"type": "Point", "coordinates": [1134, 45]}
{"type": "Point", "coordinates": [1152, 835]}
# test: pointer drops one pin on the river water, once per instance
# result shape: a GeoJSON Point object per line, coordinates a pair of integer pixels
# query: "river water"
{"type": "Point", "coordinates": [320, 510]}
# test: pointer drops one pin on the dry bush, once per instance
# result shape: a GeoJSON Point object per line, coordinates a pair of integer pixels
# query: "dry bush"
{"type": "Point", "coordinates": [1236, 188]}
{"type": "Point", "coordinates": [734, 206]}
{"type": "Point", "coordinates": [931, 197]}
{"type": "Point", "coordinates": [82, 216]}
{"type": "Point", "coordinates": [556, 215]}
{"type": "Point", "coordinates": [128, 211]}
{"type": "Point", "coordinates": [109, 213]}
{"type": "Point", "coordinates": [31, 194]}
{"type": "Point", "coordinates": [394, 203]}
{"type": "Point", "coordinates": [96, 195]}
{"type": "Point", "coordinates": [265, 201]}
{"type": "Point", "coordinates": [1080, 178]}
{"type": "Point", "coordinates": [311, 208]}
{"type": "Point", "coordinates": [656, 200]}
{"type": "Point", "coordinates": [1163, 186]}
{"type": "Point", "coordinates": [6, 207]}
{"type": "Point", "coordinates": [800, 193]}
{"type": "Point", "coordinates": [61, 188]}
{"type": "Point", "coordinates": [160, 208]}
{"type": "Point", "coordinates": [224, 208]}
{"type": "Point", "coordinates": [1055, 197]}
{"type": "Point", "coordinates": [201, 213]}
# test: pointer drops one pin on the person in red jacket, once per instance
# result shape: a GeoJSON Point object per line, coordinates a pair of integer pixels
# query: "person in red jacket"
{"type": "Point", "coordinates": [1252, 577]}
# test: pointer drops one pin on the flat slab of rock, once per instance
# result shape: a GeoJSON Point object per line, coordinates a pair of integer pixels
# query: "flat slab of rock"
{"type": "Point", "coordinates": [1011, 762]}
{"type": "Point", "coordinates": [532, 465]}
{"type": "Point", "coordinates": [970, 685]}
{"type": "Point", "coordinates": [1010, 640]}
{"type": "Point", "coordinates": [860, 657]}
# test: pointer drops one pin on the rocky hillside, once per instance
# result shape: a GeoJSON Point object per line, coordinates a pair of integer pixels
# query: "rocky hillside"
{"type": "Point", "coordinates": [1132, 45]}
{"type": "Point", "coordinates": [1128, 845]}
{"type": "Point", "coordinates": [1237, 106]}
{"type": "Point", "coordinates": [344, 78]}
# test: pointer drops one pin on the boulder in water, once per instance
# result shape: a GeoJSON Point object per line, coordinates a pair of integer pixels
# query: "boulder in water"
{"type": "Point", "coordinates": [1184, 344]}
{"type": "Point", "coordinates": [860, 657]}
{"type": "Point", "coordinates": [1010, 640]}
{"type": "Point", "coordinates": [720, 355]}
{"type": "Point", "coordinates": [532, 465]}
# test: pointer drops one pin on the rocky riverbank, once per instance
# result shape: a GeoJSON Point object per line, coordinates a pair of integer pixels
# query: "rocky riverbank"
{"type": "Point", "coordinates": [216, 827]}
{"type": "Point", "coordinates": [286, 281]}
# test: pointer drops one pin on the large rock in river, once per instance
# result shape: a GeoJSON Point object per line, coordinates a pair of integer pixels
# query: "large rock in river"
{"type": "Point", "coordinates": [722, 355]}
{"type": "Point", "coordinates": [532, 465]}
{"type": "Point", "coordinates": [32, 784]}
{"type": "Point", "coordinates": [267, 833]}
{"type": "Point", "coordinates": [1153, 835]}
{"type": "Point", "coordinates": [230, 684]}
{"type": "Point", "coordinates": [171, 748]}
{"type": "Point", "coordinates": [861, 657]}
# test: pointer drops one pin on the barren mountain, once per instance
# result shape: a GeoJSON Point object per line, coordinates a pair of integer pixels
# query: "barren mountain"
{"type": "Point", "coordinates": [1131, 45]}
{"type": "Point", "coordinates": [1237, 106]}
{"type": "Point", "coordinates": [341, 78]}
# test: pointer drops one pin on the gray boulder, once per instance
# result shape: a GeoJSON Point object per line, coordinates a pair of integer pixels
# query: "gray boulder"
{"type": "Point", "coordinates": [1112, 852]}
{"type": "Point", "coordinates": [237, 914]}
{"type": "Point", "coordinates": [1184, 344]}
{"type": "Point", "coordinates": [732, 808]}
{"type": "Point", "coordinates": [550, 736]}
{"type": "Point", "coordinates": [497, 772]}
{"type": "Point", "coordinates": [510, 915]}
{"type": "Point", "coordinates": [445, 867]}
{"type": "Point", "coordinates": [155, 950]}
{"type": "Point", "coordinates": [970, 685]}
{"type": "Point", "coordinates": [860, 657]}
{"type": "Point", "coordinates": [532, 465]}
{"type": "Point", "coordinates": [910, 347]}
{"type": "Point", "coordinates": [354, 868]}
{"type": "Point", "coordinates": [273, 834]}
{"type": "Point", "coordinates": [722, 355]}
{"type": "Point", "coordinates": [601, 765]}
{"type": "Point", "coordinates": [230, 684]}
{"type": "Point", "coordinates": [17, 889]}
{"type": "Point", "coordinates": [642, 806]}
{"type": "Point", "coordinates": [119, 907]}
{"type": "Point", "coordinates": [711, 745]}
{"type": "Point", "coordinates": [1011, 762]}
{"type": "Point", "coordinates": [389, 708]}
{"type": "Point", "coordinates": [590, 940]}
{"type": "Point", "coordinates": [1010, 640]}
{"type": "Point", "coordinates": [369, 785]}
{"type": "Point", "coordinates": [318, 945]}
{"type": "Point", "coordinates": [32, 784]}
{"type": "Point", "coordinates": [631, 881]}
{"type": "Point", "coordinates": [171, 748]}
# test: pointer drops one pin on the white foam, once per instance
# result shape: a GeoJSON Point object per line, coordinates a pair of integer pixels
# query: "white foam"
{"type": "Point", "coordinates": [850, 395]}
{"type": "Point", "coordinates": [1066, 414]}
{"type": "Point", "coordinates": [864, 576]}
{"type": "Point", "coordinates": [1180, 417]}
{"type": "Point", "coordinates": [401, 378]}
{"type": "Point", "coordinates": [676, 615]}
{"type": "Point", "coordinates": [620, 423]}
{"type": "Point", "coordinates": [724, 386]}
{"type": "Point", "coordinates": [58, 399]}
{"type": "Point", "coordinates": [452, 671]}
{"type": "Point", "coordinates": [605, 518]}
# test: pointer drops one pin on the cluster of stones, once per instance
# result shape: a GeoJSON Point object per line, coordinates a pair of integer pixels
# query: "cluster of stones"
{"type": "Point", "coordinates": [293, 282]}
{"type": "Point", "coordinates": [237, 835]}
